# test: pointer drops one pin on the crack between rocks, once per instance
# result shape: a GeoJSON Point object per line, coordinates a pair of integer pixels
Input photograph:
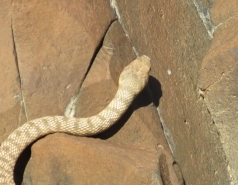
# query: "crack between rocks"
{"type": "Point", "coordinates": [223, 75]}
{"type": "Point", "coordinates": [23, 102]}
{"type": "Point", "coordinates": [212, 84]}
{"type": "Point", "coordinates": [202, 93]}
{"type": "Point", "coordinates": [213, 119]}
{"type": "Point", "coordinates": [225, 21]}
{"type": "Point", "coordinates": [70, 110]}
{"type": "Point", "coordinates": [168, 135]}
{"type": "Point", "coordinates": [114, 6]}
{"type": "Point", "coordinates": [97, 49]}
{"type": "Point", "coordinates": [204, 15]}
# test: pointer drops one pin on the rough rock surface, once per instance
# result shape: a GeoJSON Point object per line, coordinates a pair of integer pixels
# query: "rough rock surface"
{"type": "Point", "coordinates": [223, 10]}
{"type": "Point", "coordinates": [10, 93]}
{"type": "Point", "coordinates": [138, 128]}
{"type": "Point", "coordinates": [46, 49]}
{"type": "Point", "coordinates": [218, 83]}
{"type": "Point", "coordinates": [55, 56]}
{"type": "Point", "coordinates": [90, 161]}
{"type": "Point", "coordinates": [55, 42]}
{"type": "Point", "coordinates": [176, 35]}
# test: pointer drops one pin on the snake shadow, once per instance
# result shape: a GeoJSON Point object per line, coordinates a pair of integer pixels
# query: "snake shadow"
{"type": "Point", "coordinates": [151, 94]}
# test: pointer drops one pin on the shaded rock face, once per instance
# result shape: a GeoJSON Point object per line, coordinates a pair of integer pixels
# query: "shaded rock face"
{"type": "Point", "coordinates": [65, 57]}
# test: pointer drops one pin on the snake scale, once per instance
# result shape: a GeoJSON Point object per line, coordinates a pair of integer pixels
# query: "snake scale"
{"type": "Point", "coordinates": [132, 80]}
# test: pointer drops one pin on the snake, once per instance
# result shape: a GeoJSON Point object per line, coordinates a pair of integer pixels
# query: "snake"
{"type": "Point", "coordinates": [132, 81]}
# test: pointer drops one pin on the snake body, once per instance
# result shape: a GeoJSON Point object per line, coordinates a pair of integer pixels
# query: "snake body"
{"type": "Point", "coordinates": [132, 80]}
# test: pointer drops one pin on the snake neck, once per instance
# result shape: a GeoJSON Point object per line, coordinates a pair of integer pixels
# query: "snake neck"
{"type": "Point", "coordinates": [115, 109]}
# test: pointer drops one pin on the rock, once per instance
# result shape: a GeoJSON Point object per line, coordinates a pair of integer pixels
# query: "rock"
{"type": "Point", "coordinates": [138, 128]}
{"type": "Point", "coordinates": [64, 55]}
{"type": "Point", "coordinates": [55, 42]}
{"type": "Point", "coordinates": [100, 85]}
{"type": "Point", "coordinates": [219, 87]}
{"type": "Point", "coordinates": [90, 161]}
{"type": "Point", "coordinates": [46, 51]}
{"type": "Point", "coordinates": [223, 10]}
{"type": "Point", "coordinates": [173, 35]}
{"type": "Point", "coordinates": [11, 112]}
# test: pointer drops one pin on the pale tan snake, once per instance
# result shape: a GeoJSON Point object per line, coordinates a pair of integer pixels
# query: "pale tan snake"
{"type": "Point", "coordinates": [132, 80]}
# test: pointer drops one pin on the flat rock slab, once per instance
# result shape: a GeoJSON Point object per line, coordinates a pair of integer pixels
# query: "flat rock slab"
{"type": "Point", "coordinates": [90, 161]}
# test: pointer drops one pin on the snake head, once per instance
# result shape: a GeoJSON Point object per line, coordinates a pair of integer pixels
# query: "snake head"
{"type": "Point", "coordinates": [135, 75]}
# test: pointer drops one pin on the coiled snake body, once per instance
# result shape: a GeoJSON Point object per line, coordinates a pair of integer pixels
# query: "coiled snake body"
{"type": "Point", "coordinates": [132, 80]}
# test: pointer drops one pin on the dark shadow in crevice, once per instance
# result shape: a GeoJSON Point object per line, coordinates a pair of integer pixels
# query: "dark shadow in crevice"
{"type": "Point", "coordinates": [22, 162]}
{"type": "Point", "coordinates": [164, 170]}
{"type": "Point", "coordinates": [21, 165]}
{"type": "Point", "coordinates": [178, 173]}
{"type": "Point", "coordinates": [95, 53]}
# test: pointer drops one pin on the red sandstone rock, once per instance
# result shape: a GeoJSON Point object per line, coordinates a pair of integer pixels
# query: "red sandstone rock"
{"type": "Point", "coordinates": [90, 161]}
{"type": "Point", "coordinates": [55, 42]}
